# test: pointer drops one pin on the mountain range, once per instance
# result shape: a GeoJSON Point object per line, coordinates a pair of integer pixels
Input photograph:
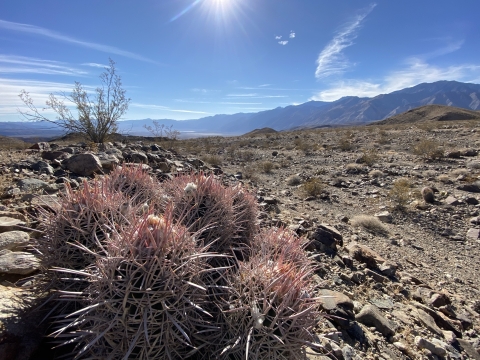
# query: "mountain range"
{"type": "Point", "coordinates": [350, 110]}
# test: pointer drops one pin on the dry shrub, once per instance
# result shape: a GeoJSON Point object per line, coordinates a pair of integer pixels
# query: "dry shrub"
{"type": "Point", "coordinates": [370, 223]}
{"type": "Point", "coordinates": [212, 159]}
{"type": "Point", "coordinates": [345, 143]}
{"type": "Point", "coordinates": [369, 156]}
{"type": "Point", "coordinates": [266, 166]}
{"type": "Point", "coordinates": [312, 187]}
{"type": "Point", "coordinates": [399, 194]}
{"type": "Point", "coordinates": [294, 180]}
{"type": "Point", "coordinates": [354, 168]}
{"type": "Point", "coordinates": [376, 173]}
{"type": "Point", "coordinates": [428, 149]}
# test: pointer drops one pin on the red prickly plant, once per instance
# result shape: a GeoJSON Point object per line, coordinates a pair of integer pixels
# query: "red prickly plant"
{"type": "Point", "coordinates": [76, 233]}
{"type": "Point", "coordinates": [136, 184]}
{"type": "Point", "coordinates": [225, 216]}
{"type": "Point", "coordinates": [274, 242]}
{"type": "Point", "coordinates": [146, 298]}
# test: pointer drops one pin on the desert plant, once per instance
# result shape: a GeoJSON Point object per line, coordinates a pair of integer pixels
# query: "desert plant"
{"type": "Point", "coordinates": [369, 156]}
{"type": "Point", "coordinates": [224, 217]}
{"type": "Point", "coordinates": [145, 299]}
{"type": "Point", "coordinates": [212, 159]}
{"type": "Point", "coordinates": [294, 180]}
{"type": "Point", "coordinates": [399, 194]}
{"type": "Point", "coordinates": [376, 173]}
{"type": "Point", "coordinates": [428, 149]}
{"type": "Point", "coordinates": [370, 223]}
{"type": "Point", "coordinates": [266, 167]}
{"type": "Point", "coordinates": [312, 187]}
{"type": "Point", "coordinates": [354, 168]}
{"type": "Point", "coordinates": [97, 119]}
{"type": "Point", "coordinates": [269, 312]}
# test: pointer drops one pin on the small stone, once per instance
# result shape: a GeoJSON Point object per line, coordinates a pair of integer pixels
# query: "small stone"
{"type": "Point", "coordinates": [29, 185]}
{"type": "Point", "coordinates": [384, 216]}
{"type": "Point", "coordinates": [10, 224]}
{"type": "Point", "coordinates": [370, 315]}
{"type": "Point", "coordinates": [20, 263]}
{"type": "Point", "coordinates": [330, 300]}
{"type": "Point", "coordinates": [422, 343]}
{"type": "Point", "coordinates": [451, 200]}
{"type": "Point", "coordinates": [13, 240]}
{"type": "Point", "coordinates": [473, 234]}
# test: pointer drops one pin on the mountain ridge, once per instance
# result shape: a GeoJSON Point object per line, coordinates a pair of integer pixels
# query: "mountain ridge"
{"type": "Point", "coordinates": [348, 110]}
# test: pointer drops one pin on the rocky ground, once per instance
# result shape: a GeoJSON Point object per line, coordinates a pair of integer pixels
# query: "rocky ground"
{"type": "Point", "coordinates": [391, 213]}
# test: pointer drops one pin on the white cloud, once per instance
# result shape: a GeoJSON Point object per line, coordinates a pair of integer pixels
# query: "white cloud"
{"type": "Point", "coordinates": [264, 85]}
{"type": "Point", "coordinates": [242, 95]}
{"type": "Point", "coordinates": [96, 65]}
{"type": "Point", "coordinates": [278, 37]}
{"type": "Point", "coordinates": [284, 42]}
{"type": "Point", "coordinates": [292, 35]}
{"type": "Point", "coordinates": [36, 30]}
{"type": "Point", "coordinates": [331, 60]}
{"type": "Point", "coordinates": [165, 108]}
{"type": "Point", "coordinates": [11, 64]}
{"type": "Point", "coordinates": [416, 72]}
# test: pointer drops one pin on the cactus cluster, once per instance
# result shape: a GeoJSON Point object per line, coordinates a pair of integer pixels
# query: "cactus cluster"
{"type": "Point", "coordinates": [190, 276]}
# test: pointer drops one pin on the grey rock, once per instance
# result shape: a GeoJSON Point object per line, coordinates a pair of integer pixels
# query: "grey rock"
{"type": "Point", "coordinates": [388, 268]}
{"type": "Point", "coordinates": [473, 234]}
{"type": "Point", "coordinates": [384, 216]}
{"type": "Point", "coordinates": [326, 236]}
{"type": "Point", "coordinates": [20, 263]}
{"type": "Point", "coordinates": [83, 164]}
{"type": "Point", "coordinates": [42, 167]}
{"type": "Point", "coordinates": [370, 315]}
{"type": "Point", "coordinates": [136, 157]}
{"type": "Point", "coordinates": [10, 224]}
{"type": "Point", "coordinates": [469, 349]}
{"type": "Point", "coordinates": [365, 255]}
{"type": "Point", "coordinates": [428, 321]}
{"type": "Point", "coordinates": [29, 185]}
{"type": "Point", "coordinates": [474, 188]}
{"type": "Point", "coordinates": [453, 201]}
{"type": "Point", "coordinates": [13, 240]}
{"type": "Point", "coordinates": [436, 349]}
{"type": "Point", "coordinates": [108, 161]}
{"type": "Point", "coordinates": [330, 300]}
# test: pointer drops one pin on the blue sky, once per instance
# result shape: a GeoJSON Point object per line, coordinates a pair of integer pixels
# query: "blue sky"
{"type": "Point", "coordinates": [186, 59]}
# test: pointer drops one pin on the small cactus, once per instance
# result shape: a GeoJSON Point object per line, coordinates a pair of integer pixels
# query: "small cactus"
{"type": "Point", "coordinates": [145, 298]}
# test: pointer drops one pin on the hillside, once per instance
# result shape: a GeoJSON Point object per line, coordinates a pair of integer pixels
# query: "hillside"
{"type": "Point", "coordinates": [431, 113]}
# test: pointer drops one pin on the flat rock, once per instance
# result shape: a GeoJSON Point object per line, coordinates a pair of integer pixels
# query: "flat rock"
{"type": "Point", "coordinates": [473, 234]}
{"type": "Point", "coordinates": [10, 224]}
{"type": "Point", "coordinates": [370, 315]}
{"type": "Point", "coordinates": [453, 201]}
{"type": "Point", "coordinates": [422, 343]}
{"type": "Point", "coordinates": [13, 240]}
{"type": "Point", "coordinates": [474, 188]}
{"type": "Point", "coordinates": [29, 185]}
{"type": "Point", "coordinates": [384, 216]}
{"type": "Point", "coordinates": [332, 299]}
{"type": "Point", "coordinates": [20, 263]}
{"type": "Point", "coordinates": [469, 349]}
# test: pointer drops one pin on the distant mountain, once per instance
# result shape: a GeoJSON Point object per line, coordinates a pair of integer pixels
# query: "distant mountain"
{"type": "Point", "coordinates": [431, 113]}
{"type": "Point", "coordinates": [349, 110]}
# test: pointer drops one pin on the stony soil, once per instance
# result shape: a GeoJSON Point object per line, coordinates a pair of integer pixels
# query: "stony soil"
{"type": "Point", "coordinates": [375, 242]}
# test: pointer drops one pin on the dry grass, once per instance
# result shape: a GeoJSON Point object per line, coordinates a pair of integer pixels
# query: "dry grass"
{"type": "Point", "coordinates": [370, 223]}
{"type": "Point", "coordinates": [428, 149]}
{"type": "Point", "coordinates": [400, 193]}
{"type": "Point", "coordinates": [294, 180]}
{"type": "Point", "coordinates": [313, 187]}
{"type": "Point", "coordinates": [266, 167]}
{"type": "Point", "coordinates": [376, 173]}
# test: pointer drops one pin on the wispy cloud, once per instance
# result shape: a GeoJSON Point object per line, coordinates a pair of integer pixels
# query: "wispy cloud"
{"type": "Point", "coordinates": [283, 42]}
{"type": "Point", "coordinates": [242, 95]}
{"type": "Point", "coordinates": [11, 64]}
{"type": "Point", "coordinates": [165, 108]}
{"type": "Point", "coordinates": [417, 71]}
{"type": "Point", "coordinates": [264, 85]}
{"type": "Point", "coordinates": [36, 30]}
{"type": "Point", "coordinates": [331, 60]}
{"type": "Point", "coordinates": [278, 37]}
{"type": "Point", "coordinates": [95, 65]}
{"type": "Point", "coordinates": [292, 35]}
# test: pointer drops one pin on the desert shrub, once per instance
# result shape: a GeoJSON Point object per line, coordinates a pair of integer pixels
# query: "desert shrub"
{"type": "Point", "coordinates": [294, 180]}
{"type": "Point", "coordinates": [212, 159]}
{"type": "Point", "coordinates": [376, 173]}
{"type": "Point", "coordinates": [370, 223]}
{"type": "Point", "coordinates": [399, 194]}
{"type": "Point", "coordinates": [354, 168]}
{"type": "Point", "coordinates": [444, 179]}
{"type": "Point", "coordinates": [266, 166]}
{"type": "Point", "coordinates": [383, 137]}
{"type": "Point", "coordinates": [312, 187]}
{"type": "Point", "coordinates": [428, 149]}
{"type": "Point", "coordinates": [345, 143]}
{"type": "Point", "coordinates": [369, 157]}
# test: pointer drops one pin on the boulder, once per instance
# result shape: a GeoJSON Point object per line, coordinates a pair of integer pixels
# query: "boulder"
{"type": "Point", "coordinates": [326, 237]}
{"type": "Point", "coordinates": [83, 164]}
{"type": "Point", "coordinates": [30, 185]}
